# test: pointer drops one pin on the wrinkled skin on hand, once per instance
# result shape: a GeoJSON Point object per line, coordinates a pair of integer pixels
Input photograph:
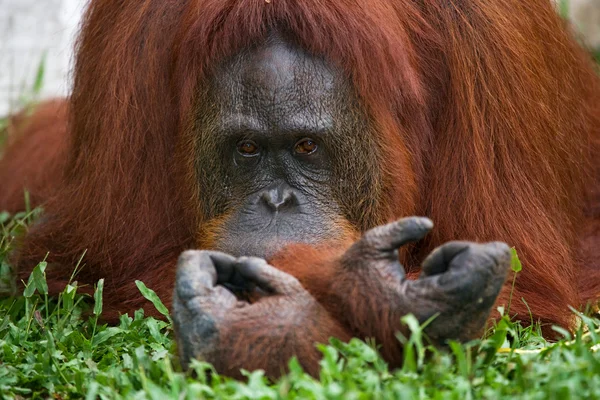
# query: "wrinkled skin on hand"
{"type": "Point", "coordinates": [367, 297]}
{"type": "Point", "coordinates": [213, 325]}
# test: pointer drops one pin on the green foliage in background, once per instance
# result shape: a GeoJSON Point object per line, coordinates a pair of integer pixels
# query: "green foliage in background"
{"type": "Point", "coordinates": [27, 100]}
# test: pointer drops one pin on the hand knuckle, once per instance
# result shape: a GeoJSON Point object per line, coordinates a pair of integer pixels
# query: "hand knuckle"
{"type": "Point", "coordinates": [187, 256]}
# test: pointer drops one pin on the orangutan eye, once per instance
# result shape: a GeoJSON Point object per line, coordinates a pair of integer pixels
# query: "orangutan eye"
{"type": "Point", "coordinates": [306, 146]}
{"type": "Point", "coordinates": [247, 148]}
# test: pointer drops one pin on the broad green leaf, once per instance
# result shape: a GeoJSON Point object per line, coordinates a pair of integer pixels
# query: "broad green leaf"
{"type": "Point", "coordinates": [98, 297]}
{"type": "Point", "coordinates": [106, 334]}
{"type": "Point", "coordinates": [4, 217]}
{"type": "Point", "coordinates": [515, 263]}
{"type": "Point", "coordinates": [151, 296]}
{"type": "Point", "coordinates": [68, 297]}
{"type": "Point", "coordinates": [37, 281]}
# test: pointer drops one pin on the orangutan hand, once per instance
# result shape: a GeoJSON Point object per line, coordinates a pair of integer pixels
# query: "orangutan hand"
{"type": "Point", "coordinates": [212, 324]}
{"type": "Point", "coordinates": [458, 285]}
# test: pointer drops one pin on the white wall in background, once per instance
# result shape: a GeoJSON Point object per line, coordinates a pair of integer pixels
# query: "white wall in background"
{"type": "Point", "coordinates": [30, 28]}
{"type": "Point", "coordinates": [586, 17]}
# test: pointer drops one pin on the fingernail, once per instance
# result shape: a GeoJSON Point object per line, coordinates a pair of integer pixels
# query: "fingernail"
{"type": "Point", "coordinates": [425, 222]}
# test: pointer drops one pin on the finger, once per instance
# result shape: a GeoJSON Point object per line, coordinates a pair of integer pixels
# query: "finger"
{"type": "Point", "coordinates": [396, 234]}
{"type": "Point", "coordinates": [501, 254]}
{"type": "Point", "coordinates": [196, 273]}
{"type": "Point", "coordinates": [224, 265]}
{"type": "Point", "coordinates": [438, 261]}
{"type": "Point", "coordinates": [493, 255]}
{"type": "Point", "coordinates": [267, 277]}
{"type": "Point", "coordinates": [480, 264]}
{"type": "Point", "coordinates": [221, 299]}
{"type": "Point", "coordinates": [197, 320]}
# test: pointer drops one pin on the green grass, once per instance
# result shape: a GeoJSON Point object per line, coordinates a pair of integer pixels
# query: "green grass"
{"type": "Point", "coordinates": [56, 348]}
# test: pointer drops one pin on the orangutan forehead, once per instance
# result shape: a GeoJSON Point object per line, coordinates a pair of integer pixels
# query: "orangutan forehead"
{"type": "Point", "coordinates": [278, 62]}
{"type": "Point", "coordinates": [279, 86]}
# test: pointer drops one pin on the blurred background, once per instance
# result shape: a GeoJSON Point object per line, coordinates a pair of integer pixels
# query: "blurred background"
{"type": "Point", "coordinates": [36, 44]}
{"type": "Point", "coordinates": [36, 36]}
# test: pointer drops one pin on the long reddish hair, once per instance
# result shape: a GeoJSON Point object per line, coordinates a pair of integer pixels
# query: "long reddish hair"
{"type": "Point", "coordinates": [485, 111]}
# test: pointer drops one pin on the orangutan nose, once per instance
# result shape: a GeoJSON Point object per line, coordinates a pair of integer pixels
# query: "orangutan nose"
{"type": "Point", "coordinates": [279, 198]}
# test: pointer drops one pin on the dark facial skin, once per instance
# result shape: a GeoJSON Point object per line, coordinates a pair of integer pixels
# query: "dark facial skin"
{"type": "Point", "coordinates": [283, 156]}
{"type": "Point", "coordinates": [285, 127]}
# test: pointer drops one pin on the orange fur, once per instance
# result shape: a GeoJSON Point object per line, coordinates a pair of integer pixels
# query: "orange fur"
{"type": "Point", "coordinates": [486, 112]}
{"type": "Point", "coordinates": [34, 157]}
